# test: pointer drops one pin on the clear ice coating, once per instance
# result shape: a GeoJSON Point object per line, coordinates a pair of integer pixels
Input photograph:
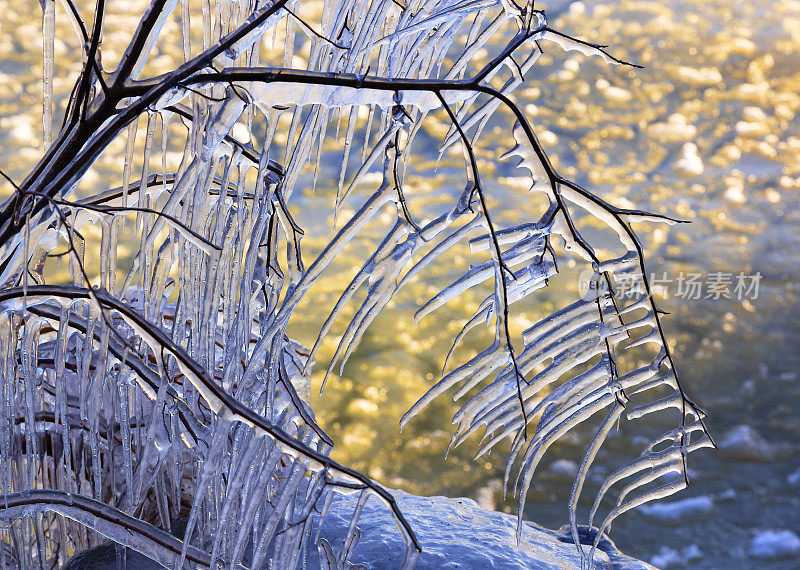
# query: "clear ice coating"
{"type": "Point", "coordinates": [163, 408]}
{"type": "Point", "coordinates": [48, 68]}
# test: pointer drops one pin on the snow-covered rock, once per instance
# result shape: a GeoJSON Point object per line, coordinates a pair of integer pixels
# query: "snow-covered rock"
{"type": "Point", "coordinates": [746, 444]}
{"type": "Point", "coordinates": [677, 512]}
{"type": "Point", "coordinates": [774, 544]}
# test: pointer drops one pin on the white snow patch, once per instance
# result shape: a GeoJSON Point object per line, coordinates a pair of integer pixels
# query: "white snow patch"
{"type": "Point", "coordinates": [676, 129]}
{"type": "Point", "coordinates": [613, 93]}
{"type": "Point", "coordinates": [241, 133]}
{"type": "Point", "coordinates": [577, 9]}
{"type": "Point", "coordinates": [676, 512]}
{"type": "Point", "coordinates": [786, 182]}
{"type": "Point", "coordinates": [548, 138]}
{"type": "Point", "coordinates": [572, 64]}
{"type": "Point", "coordinates": [668, 557]}
{"type": "Point", "coordinates": [773, 544]}
{"type": "Point", "coordinates": [564, 467]}
{"type": "Point", "coordinates": [734, 189]}
{"type": "Point", "coordinates": [487, 494]}
{"type": "Point", "coordinates": [690, 163]}
{"type": "Point", "coordinates": [751, 129]}
{"type": "Point", "coordinates": [20, 130]}
{"type": "Point", "coordinates": [755, 114]}
{"type": "Point", "coordinates": [701, 77]}
{"type": "Point", "coordinates": [746, 444]}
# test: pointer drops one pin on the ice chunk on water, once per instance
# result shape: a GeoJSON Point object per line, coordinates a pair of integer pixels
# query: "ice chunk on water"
{"type": "Point", "coordinates": [744, 443]}
{"type": "Point", "coordinates": [669, 557]}
{"type": "Point", "coordinates": [681, 511]}
{"type": "Point", "coordinates": [774, 544]}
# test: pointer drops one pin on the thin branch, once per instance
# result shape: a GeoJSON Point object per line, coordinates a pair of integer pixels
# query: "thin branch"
{"type": "Point", "coordinates": [398, 185]}
{"type": "Point", "coordinates": [503, 324]}
{"type": "Point", "coordinates": [600, 48]}
{"type": "Point", "coordinates": [91, 510]}
{"type": "Point", "coordinates": [105, 209]}
{"type": "Point", "coordinates": [82, 94]}
{"type": "Point", "coordinates": [313, 31]}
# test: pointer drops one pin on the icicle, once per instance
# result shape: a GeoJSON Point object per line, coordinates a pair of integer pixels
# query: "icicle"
{"type": "Point", "coordinates": [186, 30]}
{"type": "Point", "coordinates": [164, 13]}
{"type": "Point", "coordinates": [239, 468]}
{"type": "Point", "coordinates": [351, 529]}
{"type": "Point", "coordinates": [569, 44]}
{"type": "Point", "coordinates": [351, 125]}
{"type": "Point", "coordinates": [326, 507]}
{"type": "Point", "coordinates": [252, 501]}
{"type": "Point", "coordinates": [583, 469]}
{"type": "Point", "coordinates": [209, 466]}
{"type": "Point", "coordinates": [122, 393]}
{"type": "Point", "coordinates": [48, 36]}
{"type": "Point", "coordinates": [221, 124]}
{"type": "Point", "coordinates": [29, 358]}
{"type": "Point", "coordinates": [520, 253]}
{"type": "Point", "coordinates": [283, 500]}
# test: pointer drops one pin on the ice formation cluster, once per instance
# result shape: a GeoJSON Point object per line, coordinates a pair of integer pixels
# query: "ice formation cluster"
{"type": "Point", "coordinates": [146, 376]}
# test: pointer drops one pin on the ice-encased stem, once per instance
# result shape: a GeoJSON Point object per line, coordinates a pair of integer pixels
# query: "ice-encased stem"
{"type": "Point", "coordinates": [48, 38]}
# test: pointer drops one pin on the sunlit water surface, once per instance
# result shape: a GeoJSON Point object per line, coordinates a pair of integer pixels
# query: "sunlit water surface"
{"type": "Point", "coordinates": [722, 76]}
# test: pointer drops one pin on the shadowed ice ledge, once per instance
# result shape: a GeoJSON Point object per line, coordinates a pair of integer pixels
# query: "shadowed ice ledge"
{"type": "Point", "coordinates": [454, 533]}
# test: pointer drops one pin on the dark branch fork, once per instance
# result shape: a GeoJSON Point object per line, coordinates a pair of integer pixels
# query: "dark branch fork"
{"type": "Point", "coordinates": [78, 146]}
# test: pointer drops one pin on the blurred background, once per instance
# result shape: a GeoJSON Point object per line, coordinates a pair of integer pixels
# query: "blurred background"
{"type": "Point", "coordinates": [707, 131]}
